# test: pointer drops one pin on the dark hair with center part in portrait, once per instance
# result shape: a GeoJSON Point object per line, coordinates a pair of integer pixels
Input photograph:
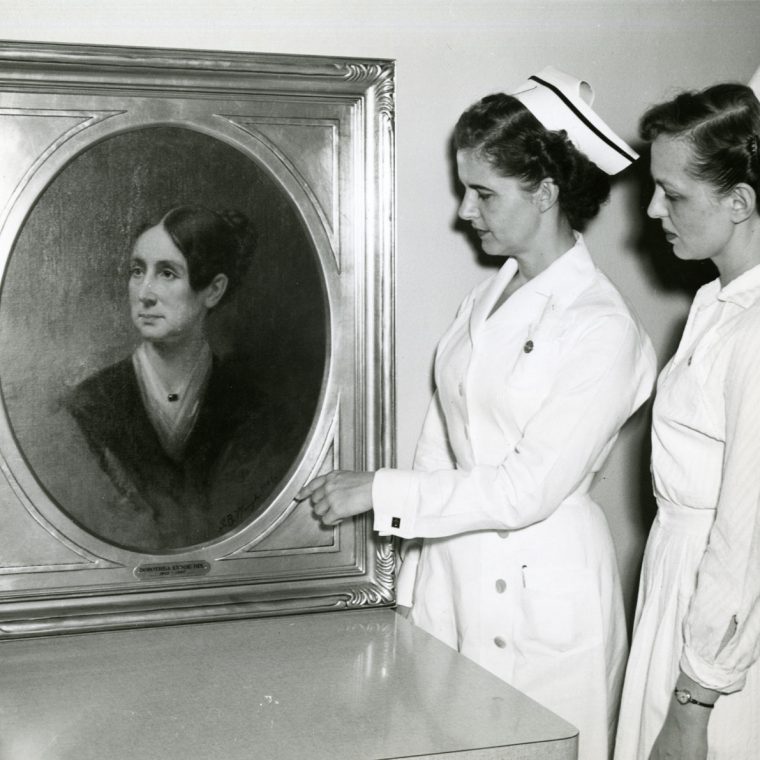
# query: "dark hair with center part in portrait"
{"type": "Point", "coordinates": [169, 333]}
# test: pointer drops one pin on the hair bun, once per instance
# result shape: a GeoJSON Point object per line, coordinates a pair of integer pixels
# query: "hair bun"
{"type": "Point", "coordinates": [246, 237]}
{"type": "Point", "coordinates": [213, 242]}
{"type": "Point", "coordinates": [237, 220]}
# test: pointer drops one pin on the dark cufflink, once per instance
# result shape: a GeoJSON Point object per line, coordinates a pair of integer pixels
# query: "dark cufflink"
{"type": "Point", "coordinates": [395, 522]}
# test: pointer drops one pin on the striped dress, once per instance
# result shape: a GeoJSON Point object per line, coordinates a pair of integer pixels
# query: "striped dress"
{"type": "Point", "coordinates": [699, 595]}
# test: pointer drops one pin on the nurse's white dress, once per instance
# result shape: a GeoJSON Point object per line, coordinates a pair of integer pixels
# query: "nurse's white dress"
{"type": "Point", "coordinates": [518, 570]}
{"type": "Point", "coordinates": [699, 597]}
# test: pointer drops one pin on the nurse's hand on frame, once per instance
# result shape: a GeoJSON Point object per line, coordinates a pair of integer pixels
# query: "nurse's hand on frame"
{"type": "Point", "coordinates": [338, 495]}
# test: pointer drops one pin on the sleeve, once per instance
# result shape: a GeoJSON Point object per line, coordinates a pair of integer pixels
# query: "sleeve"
{"type": "Point", "coordinates": [722, 627]}
{"type": "Point", "coordinates": [433, 452]}
{"type": "Point", "coordinates": [608, 372]}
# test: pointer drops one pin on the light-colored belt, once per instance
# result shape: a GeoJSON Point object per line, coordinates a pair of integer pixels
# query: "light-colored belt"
{"type": "Point", "coordinates": [683, 519]}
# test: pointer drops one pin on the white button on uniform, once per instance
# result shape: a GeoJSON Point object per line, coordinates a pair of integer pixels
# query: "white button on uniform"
{"type": "Point", "coordinates": [502, 533]}
{"type": "Point", "coordinates": [501, 586]}
{"type": "Point", "coordinates": [499, 641]}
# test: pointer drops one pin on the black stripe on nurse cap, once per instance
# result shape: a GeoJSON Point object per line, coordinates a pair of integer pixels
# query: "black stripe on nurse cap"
{"type": "Point", "coordinates": [562, 101]}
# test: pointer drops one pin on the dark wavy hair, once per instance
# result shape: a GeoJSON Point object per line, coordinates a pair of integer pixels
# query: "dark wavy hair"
{"type": "Point", "coordinates": [212, 242]}
{"type": "Point", "coordinates": [722, 124]}
{"type": "Point", "coordinates": [507, 135]}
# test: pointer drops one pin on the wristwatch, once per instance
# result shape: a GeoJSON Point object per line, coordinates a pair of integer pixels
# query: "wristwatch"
{"type": "Point", "coordinates": [683, 697]}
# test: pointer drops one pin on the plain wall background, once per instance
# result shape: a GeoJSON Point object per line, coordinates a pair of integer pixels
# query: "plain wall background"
{"type": "Point", "coordinates": [449, 54]}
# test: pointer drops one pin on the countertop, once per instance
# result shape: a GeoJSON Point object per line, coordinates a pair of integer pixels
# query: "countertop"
{"type": "Point", "coordinates": [348, 685]}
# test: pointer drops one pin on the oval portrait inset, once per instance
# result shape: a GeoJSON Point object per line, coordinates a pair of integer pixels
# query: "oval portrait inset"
{"type": "Point", "coordinates": [163, 339]}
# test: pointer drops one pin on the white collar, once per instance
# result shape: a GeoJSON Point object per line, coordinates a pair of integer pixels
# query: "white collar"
{"type": "Point", "coordinates": [561, 281]}
{"type": "Point", "coordinates": [743, 290]}
{"type": "Point", "coordinates": [172, 411]}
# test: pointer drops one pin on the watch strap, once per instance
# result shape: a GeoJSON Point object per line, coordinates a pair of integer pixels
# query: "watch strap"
{"type": "Point", "coordinates": [683, 697]}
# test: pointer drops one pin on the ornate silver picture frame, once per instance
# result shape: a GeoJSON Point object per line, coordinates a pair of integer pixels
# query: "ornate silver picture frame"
{"type": "Point", "coordinates": [100, 528]}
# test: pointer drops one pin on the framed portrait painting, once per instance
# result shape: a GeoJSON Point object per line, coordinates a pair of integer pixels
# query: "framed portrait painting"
{"type": "Point", "coordinates": [196, 318]}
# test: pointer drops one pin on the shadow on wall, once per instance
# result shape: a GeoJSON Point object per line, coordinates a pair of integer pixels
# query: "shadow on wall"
{"type": "Point", "coordinates": [669, 276]}
{"type": "Point", "coordinates": [667, 273]}
{"type": "Point", "coordinates": [664, 269]}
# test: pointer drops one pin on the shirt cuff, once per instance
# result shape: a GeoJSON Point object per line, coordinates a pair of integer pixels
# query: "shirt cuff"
{"type": "Point", "coordinates": [394, 502]}
{"type": "Point", "coordinates": [710, 675]}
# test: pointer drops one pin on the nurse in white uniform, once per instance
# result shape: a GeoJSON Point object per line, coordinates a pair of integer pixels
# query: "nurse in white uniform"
{"type": "Point", "coordinates": [541, 368]}
{"type": "Point", "coordinates": [692, 686]}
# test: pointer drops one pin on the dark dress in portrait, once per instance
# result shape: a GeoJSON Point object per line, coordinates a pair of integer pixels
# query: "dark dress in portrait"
{"type": "Point", "coordinates": [242, 444]}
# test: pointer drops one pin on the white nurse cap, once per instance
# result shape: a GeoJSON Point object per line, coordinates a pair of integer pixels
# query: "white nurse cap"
{"type": "Point", "coordinates": [560, 101]}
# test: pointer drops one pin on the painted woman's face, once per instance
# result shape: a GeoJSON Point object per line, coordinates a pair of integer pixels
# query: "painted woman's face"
{"type": "Point", "coordinates": [164, 307]}
{"type": "Point", "coordinates": [500, 210]}
{"type": "Point", "coordinates": [695, 218]}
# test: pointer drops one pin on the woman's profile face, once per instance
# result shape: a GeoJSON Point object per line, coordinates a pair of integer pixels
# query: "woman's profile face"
{"type": "Point", "coordinates": [500, 210]}
{"type": "Point", "coordinates": [694, 217]}
{"type": "Point", "coordinates": [163, 305]}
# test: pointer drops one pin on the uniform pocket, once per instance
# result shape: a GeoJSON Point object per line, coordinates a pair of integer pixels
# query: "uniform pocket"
{"type": "Point", "coordinates": [560, 609]}
{"type": "Point", "coordinates": [529, 383]}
